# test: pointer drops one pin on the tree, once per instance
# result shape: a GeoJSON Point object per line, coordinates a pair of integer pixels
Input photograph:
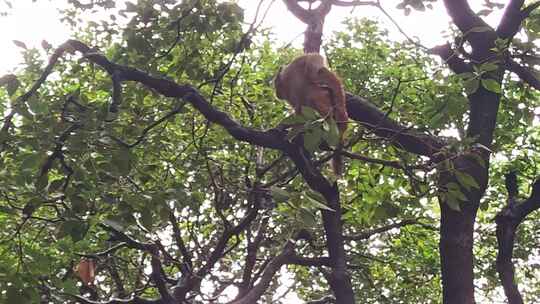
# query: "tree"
{"type": "Point", "coordinates": [148, 161]}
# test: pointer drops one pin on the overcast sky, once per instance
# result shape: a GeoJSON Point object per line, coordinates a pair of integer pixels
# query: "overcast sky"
{"type": "Point", "coordinates": [33, 22]}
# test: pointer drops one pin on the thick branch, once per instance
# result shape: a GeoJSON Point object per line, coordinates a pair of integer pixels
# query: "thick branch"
{"type": "Point", "coordinates": [251, 258]}
{"type": "Point", "coordinates": [310, 262]}
{"type": "Point", "coordinates": [367, 234]}
{"type": "Point", "coordinates": [508, 221]}
{"type": "Point", "coordinates": [270, 139]}
{"type": "Point", "coordinates": [466, 20]}
{"type": "Point", "coordinates": [462, 15]}
{"type": "Point", "coordinates": [523, 73]}
{"type": "Point", "coordinates": [450, 57]}
{"type": "Point", "coordinates": [511, 19]}
{"type": "Point", "coordinates": [374, 119]}
{"type": "Point", "coordinates": [275, 264]}
{"type": "Point", "coordinates": [177, 236]}
{"type": "Point", "coordinates": [308, 16]}
{"type": "Point", "coordinates": [158, 278]}
{"type": "Point", "coordinates": [529, 9]}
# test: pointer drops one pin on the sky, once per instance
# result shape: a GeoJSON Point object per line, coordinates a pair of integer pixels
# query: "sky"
{"type": "Point", "coordinates": [32, 22]}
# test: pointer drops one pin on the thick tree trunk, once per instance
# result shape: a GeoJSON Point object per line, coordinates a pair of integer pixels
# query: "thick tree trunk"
{"type": "Point", "coordinates": [456, 253]}
{"type": "Point", "coordinates": [457, 227]}
{"type": "Point", "coordinates": [339, 279]}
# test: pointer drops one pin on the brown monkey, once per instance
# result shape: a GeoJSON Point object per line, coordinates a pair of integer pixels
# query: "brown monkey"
{"type": "Point", "coordinates": [85, 270]}
{"type": "Point", "coordinates": [307, 81]}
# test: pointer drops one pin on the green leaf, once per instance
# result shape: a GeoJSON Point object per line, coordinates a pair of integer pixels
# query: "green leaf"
{"type": "Point", "coordinates": [491, 85]}
{"type": "Point", "coordinates": [457, 194]}
{"type": "Point", "coordinates": [316, 204]}
{"type": "Point", "coordinates": [279, 195]}
{"type": "Point", "coordinates": [74, 228]}
{"type": "Point", "coordinates": [312, 139]}
{"type": "Point", "coordinates": [466, 180]}
{"type": "Point", "coordinates": [69, 286]}
{"type": "Point", "coordinates": [451, 201]}
{"type": "Point", "coordinates": [31, 162]}
{"type": "Point", "coordinates": [479, 29]}
{"type": "Point", "coordinates": [147, 219]}
{"type": "Point", "coordinates": [484, 12]}
{"type": "Point", "coordinates": [331, 135]}
{"type": "Point", "coordinates": [478, 159]}
{"type": "Point", "coordinates": [11, 83]}
{"type": "Point", "coordinates": [310, 114]}
{"type": "Point", "coordinates": [130, 7]}
{"type": "Point", "coordinates": [466, 75]}
{"type": "Point", "coordinates": [7, 210]}
{"type": "Point", "coordinates": [20, 44]}
{"type": "Point", "coordinates": [16, 294]}
{"type": "Point", "coordinates": [115, 223]}
{"type": "Point", "coordinates": [307, 217]}
{"type": "Point", "coordinates": [489, 67]}
{"type": "Point", "coordinates": [37, 106]}
{"type": "Point", "coordinates": [42, 182]}
{"type": "Point", "coordinates": [78, 204]}
{"type": "Point", "coordinates": [32, 205]}
{"type": "Point", "coordinates": [471, 85]}
{"type": "Point", "coordinates": [56, 185]}
{"type": "Point", "coordinates": [121, 160]}
{"type": "Point", "coordinates": [293, 120]}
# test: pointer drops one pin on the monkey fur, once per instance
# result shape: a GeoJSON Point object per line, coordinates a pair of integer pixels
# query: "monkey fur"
{"type": "Point", "coordinates": [307, 81]}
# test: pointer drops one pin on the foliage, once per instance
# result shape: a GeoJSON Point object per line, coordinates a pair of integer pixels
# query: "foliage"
{"type": "Point", "coordinates": [75, 176]}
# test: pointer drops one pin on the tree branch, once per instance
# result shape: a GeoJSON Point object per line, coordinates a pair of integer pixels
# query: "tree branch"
{"type": "Point", "coordinates": [508, 220]}
{"type": "Point", "coordinates": [308, 16]}
{"type": "Point", "coordinates": [462, 15]}
{"type": "Point", "coordinates": [528, 10]}
{"type": "Point", "coordinates": [511, 19]}
{"type": "Point", "coordinates": [372, 118]}
{"type": "Point", "coordinates": [353, 3]}
{"type": "Point", "coordinates": [268, 274]}
{"type": "Point", "coordinates": [367, 234]}
{"type": "Point", "coordinates": [523, 73]}
{"type": "Point", "coordinates": [450, 57]}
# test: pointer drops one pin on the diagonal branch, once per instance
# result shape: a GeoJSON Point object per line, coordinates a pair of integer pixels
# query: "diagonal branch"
{"type": "Point", "coordinates": [367, 234]}
{"type": "Point", "coordinates": [363, 111]}
{"type": "Point", "coordinates": [467, 20]}
{"type": "Point", "coordinates": [511, 19]}
{"type": "Point", "coordinates": [508, 220]}
{"type": "Point", "coordinates": [529, 9]}
{"type": "Point", "coordinates": [268, 274]}
{"type": "Point", "coordinates": [523, 73]}
{"type": "Point", "coordinates": [462, 15]}
{"type": "Point", "coordinates": [450, 57]}
{"type": "Point", "coordinates": [305, 15]}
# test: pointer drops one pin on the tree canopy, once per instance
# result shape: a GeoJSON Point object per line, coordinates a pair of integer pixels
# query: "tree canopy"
{"type": "Point", "coordinates": [148, 160]}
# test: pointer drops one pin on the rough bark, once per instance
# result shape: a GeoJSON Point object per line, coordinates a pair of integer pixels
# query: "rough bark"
{"type": "Point", "coordinates": [457, 227]}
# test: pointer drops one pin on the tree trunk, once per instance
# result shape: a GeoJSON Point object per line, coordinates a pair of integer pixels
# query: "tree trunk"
{"type": "Point", "coordinates": [456, 253]}
{"type": "Point", "coordinates": [339, 279]}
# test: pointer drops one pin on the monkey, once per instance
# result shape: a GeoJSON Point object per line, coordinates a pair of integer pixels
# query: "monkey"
{"type": "Point", "coordinates": [85, 270]}
{"type": "Point", "coordinates": [307, 81]}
